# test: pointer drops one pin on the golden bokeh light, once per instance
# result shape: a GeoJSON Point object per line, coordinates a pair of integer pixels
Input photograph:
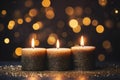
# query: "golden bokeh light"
{"type": "Point", "coordinates": [69, 11]}
{"type": "Point", "coordinates": [1, 27]}
{"type": "Point", "coordinates": [11, 24]}
{"type": "Point", "coordinates": [28, 3]}
{"type": "Point", "coordinates": [6, 40]}
{"type": "Point", "coordinates": [99, 29]}
{"type": "Point", "coordinates": [3, 12]}
{"type": "Point", "coordinates": [101, 57]}
{"type": "Point", "coordinates": [38, 25]}
{"type": "Point", "coordinates": [46, 3]}
{"type": "Point", "coordinates": [28, 19]}
{"type": "Point", "coordinates": [86, 21]}
{"type": "Point", "coordinates": [94, 22]}
{"type": "Point", "coordinates": [116, 11]}
{"type": "Point", "coordinates": [50, 14]}
{"type": "Point", "coordinates": [102, 2]}
{"type": "Point", "coordinates": [77, 29]}
{"type": "Point", "coordinates": [18, 51]}
{"type": "Point", "coordinates": [52, 39]}
{"type": "Point", "coordinates": [73, 23]}
{"type": "Point", "coordinates": [33, 12]}
{"type": "Point", "coordinates": [20, 21]}
{"type": "Point", "coordinates": [106, 44]}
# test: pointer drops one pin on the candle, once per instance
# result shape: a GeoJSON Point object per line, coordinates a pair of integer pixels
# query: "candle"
{"type": "Point", "coordinates": [33, 58]}
{"type": "Point", "coordinates": [83, 56]}
{"type": "Point", "coordinates": [59, 58]}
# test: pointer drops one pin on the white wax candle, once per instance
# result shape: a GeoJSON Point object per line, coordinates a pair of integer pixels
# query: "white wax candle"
{"type": "Point", "coordinates": [83, 49]}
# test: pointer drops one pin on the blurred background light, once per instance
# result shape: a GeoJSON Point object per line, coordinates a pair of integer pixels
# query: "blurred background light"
{"type": "Point", "coordinates": [102, 2]}
{"type": "Point", "coordinates": [52, 39]}
{"type": "Point", "coordinates": [3, 12]}
{"type": "Point", "coordinates": [33, 12]}
{"type": "Point", "coordinates": [77, 29]}
{"type": "Point", "coordinates": [99, 29]}
{"type": "Point", "coordinates": [11, 24]}
{"type": "Point", "coordinates": [18, 51]}
{"type": "Point", "coordinates": [20, 21]}
{"type": "Point", "coordinates": [73, 23]}
{"type": "Point", "coordinates": [69, 11]}
{"type": "Point", "coordinates": [86, 21]}
{"type": "Point", "coordinates": [46, 3]}
{"type": "Point", "coordinates": [6, 40]}
{"type": "Point", "coordinates": [101, 57]}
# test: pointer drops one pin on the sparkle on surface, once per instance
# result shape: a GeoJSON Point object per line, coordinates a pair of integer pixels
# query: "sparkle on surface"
{"type": "Point", "coordinates": [11, 72]}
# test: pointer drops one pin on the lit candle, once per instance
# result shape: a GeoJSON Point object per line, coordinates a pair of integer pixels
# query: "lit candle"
{"type": "Point", "coordinates": [59, 58]}
{"type": "Point", "coordinates": [83, 56]}
{"type": "Point", "coordinates": [33, 58]}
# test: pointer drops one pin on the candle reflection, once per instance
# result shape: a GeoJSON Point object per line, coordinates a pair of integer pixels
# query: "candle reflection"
{"type": "Point", "coordinates": [33, 78]}
{"type": "Point", "coordinates": [82, 77]}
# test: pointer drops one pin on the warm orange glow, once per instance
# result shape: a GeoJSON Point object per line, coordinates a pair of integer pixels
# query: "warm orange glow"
{"type": "Point", "coordinates": [57, 44]}
{"type": "Point", "coordinates": [46, 3]}
{"type": "Point", "coordinates": [86, 21]}
{"type": "Point", "coordinates": [4, 12]}
{"type": "Point", "coordinates": [18, 51]}
{"type": "Point", "coordinates": [33, 43]}
{"type": "Point", "coordinates": [20, 21]}
{"type": "Point", "coordinates": [100, 29]}
{"type": "Point", "coordinates": [11, 24]}
{"type": "Point", "coordinates": [82, 41]}
{"type": "Point", "coordinates": [6, 40]}
{"type": "Point", "coordinates": [52, 39]}
{"type": "Point", "coordinates": [73, 23]}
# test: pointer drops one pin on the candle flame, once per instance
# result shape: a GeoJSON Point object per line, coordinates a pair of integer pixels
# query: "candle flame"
{"type": "Point", "coordinates": [33, 43]}
{"type": "Point", "coordinates": [57, 44]}
{"type": "Point", "coordinates": [82, 41]}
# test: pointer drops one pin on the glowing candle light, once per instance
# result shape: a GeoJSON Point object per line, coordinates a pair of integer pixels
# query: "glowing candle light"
{"type": "Point", "coordinates": [82, 41]}
{"type": "Point", "coordinates": [83, 56]}
{"type": "Point", "coordinates": [59, 58]}
{"type": "Point", "coordinates": [33, 58]}
{"type": "Point", "coordinates": [57, 44]}
{"type": "Point", "coordinates": [33, 43]}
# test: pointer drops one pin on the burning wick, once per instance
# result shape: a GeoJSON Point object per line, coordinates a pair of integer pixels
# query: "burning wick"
{"type": "Point", "coordinates": [82, 41]}
{"type": "Point", "coordinates": [57, 44]}
{"type": "Point", "coordinates": [33, 43]}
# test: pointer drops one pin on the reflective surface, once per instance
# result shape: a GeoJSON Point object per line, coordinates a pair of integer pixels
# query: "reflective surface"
{"type": "Point", "coordinates": [12, 71]}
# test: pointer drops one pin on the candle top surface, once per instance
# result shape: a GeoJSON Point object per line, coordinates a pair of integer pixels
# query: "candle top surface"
{"type": "Point", "coordinates": [84, 48]}
{"type": "Point", "coordinates": [33, 49]}
{"type": "Point", "coordinates": [58, 50]}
